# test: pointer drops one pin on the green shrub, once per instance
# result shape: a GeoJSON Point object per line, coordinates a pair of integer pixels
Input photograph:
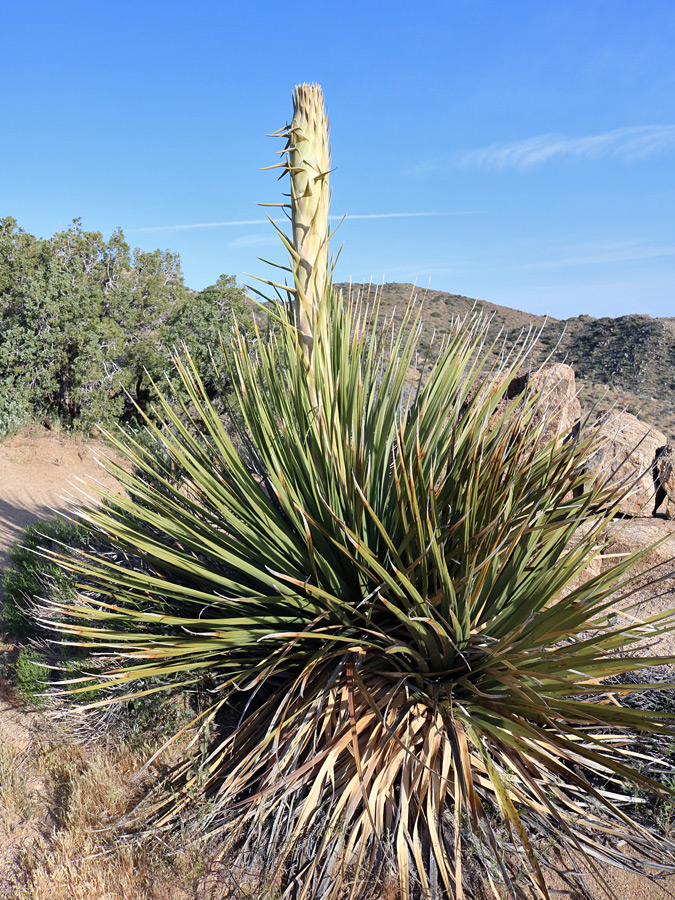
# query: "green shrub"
{"type": "Point", "coordinates": [112, 316]}
{"type": "Point", "coordinates": [32, 579]}
{"type": "Point", "coordinates": [31, 575]}
{"type": "Point", "coordinates": [14, 412]}
{"type": "Point", "coordinates": [31, 677]}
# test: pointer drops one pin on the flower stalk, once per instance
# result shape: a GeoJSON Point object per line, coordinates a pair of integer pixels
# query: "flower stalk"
{"type": "Point", "coordinates": [308, 165]}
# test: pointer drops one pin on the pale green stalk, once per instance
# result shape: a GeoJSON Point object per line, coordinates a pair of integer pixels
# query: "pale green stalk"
{"type": "Point", "coordinates": [308, 162]}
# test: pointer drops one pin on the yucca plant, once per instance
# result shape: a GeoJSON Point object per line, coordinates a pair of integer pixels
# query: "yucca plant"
{"type": "Point", "coordinates": [382, 592]}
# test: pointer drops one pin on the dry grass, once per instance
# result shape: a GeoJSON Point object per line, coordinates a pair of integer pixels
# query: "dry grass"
{"type": "Point", "coordinates": [16, 798]}
{"type": "Point", "coordinates": [74, 866]}
{"type": "Point", "coordinates": [65, 830]}
{"type": "Point", "coordinates": [66, 824]}
{"type": "Point", "coordinates": [64, 827]}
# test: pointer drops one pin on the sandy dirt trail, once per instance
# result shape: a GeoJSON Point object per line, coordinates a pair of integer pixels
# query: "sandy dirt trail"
{"type": "Point", "coordinates": [39, 470]}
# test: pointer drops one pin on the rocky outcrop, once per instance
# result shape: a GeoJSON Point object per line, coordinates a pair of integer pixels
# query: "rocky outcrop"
{"type": "Point", "coordinates": [665, 482]}
{"type": "Point", "coordinates": [653, 586]}
{"type": "Point", "coordinates": [627, 457]}
{"type": "Point", "coordinates": [557, 405]}
{"type": "Point", "coordinates": [636, 457]}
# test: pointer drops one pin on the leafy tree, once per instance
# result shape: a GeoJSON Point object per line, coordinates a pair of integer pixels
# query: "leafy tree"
{"type": "Point", "coordinates": [55, 332]}
{"type": "Point", "coordinates": [207, 322]}
{"type": "Point", "coordinates": [86, 324]}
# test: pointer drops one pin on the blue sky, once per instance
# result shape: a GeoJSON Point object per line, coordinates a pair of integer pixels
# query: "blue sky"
{"type": "Point", "coordinates": [519, 151]}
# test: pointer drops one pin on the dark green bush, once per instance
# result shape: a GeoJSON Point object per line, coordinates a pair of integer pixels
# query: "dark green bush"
{"type": "Point", "coordinates": [31, 677]}
{"type": "Point", "coordinates": [113, 316]}
{"type": "Point", "coordinates": [14, 413]}
{"type": "Point", "coordinates": [38, 670]}
{"type": "Point", "coordinates": [32, 575]}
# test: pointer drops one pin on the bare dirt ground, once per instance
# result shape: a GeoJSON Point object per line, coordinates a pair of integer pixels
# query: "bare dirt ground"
{"type": "Point", "coordinates": [39, 471]}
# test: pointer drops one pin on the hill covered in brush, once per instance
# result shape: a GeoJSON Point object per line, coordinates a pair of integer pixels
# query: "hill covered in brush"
{"type": "Point", "coordinates": [628, 361]}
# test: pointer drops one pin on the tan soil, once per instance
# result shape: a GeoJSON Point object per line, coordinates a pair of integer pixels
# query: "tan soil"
{"type": "Point", "coordinates": [42, 471]}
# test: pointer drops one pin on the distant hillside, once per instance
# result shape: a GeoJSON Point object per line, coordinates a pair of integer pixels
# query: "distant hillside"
{"type": "Point", "coordinates": [628, 361]}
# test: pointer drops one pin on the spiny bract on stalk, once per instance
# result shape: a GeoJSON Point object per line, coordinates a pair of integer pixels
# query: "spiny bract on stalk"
{"type": "Point", "coordinates": [381, 590]}
{"type": "Point", "coordinates": [307, 163]}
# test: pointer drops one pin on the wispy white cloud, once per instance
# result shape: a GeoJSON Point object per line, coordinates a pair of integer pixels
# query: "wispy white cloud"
{"type": "Point", "coordinates": [236, 222]}
{"type": "Point", "coordinates": [627, 144]}
{"type": "Point", "coordinates": [601, 254]}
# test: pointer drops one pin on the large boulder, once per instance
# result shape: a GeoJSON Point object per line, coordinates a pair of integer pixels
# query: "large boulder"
{"type": "Point", "coordinates": [665, 483]}
{"type": "Point", "coordinates": [557, 405]}
{"type": "Point", "coordinates": [628, 455]}
{"type": "Point", "coordinates": [653, 592]}
{"type": "Point", "coordinates": [653, 589]}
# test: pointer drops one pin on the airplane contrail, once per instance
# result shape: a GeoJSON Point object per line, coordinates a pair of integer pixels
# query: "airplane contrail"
{"type": "Point", "coordinates": [235, 222]}
{"type": "Point", "coordinates": [403, 215]}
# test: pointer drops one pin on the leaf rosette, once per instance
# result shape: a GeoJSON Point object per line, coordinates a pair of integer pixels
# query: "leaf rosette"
{"type": "Point", "coordinates": [383, 580]}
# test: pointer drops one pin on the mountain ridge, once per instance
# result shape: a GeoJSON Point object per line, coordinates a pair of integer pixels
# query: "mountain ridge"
{"type": "Point", "coordinates": [626, 362]}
